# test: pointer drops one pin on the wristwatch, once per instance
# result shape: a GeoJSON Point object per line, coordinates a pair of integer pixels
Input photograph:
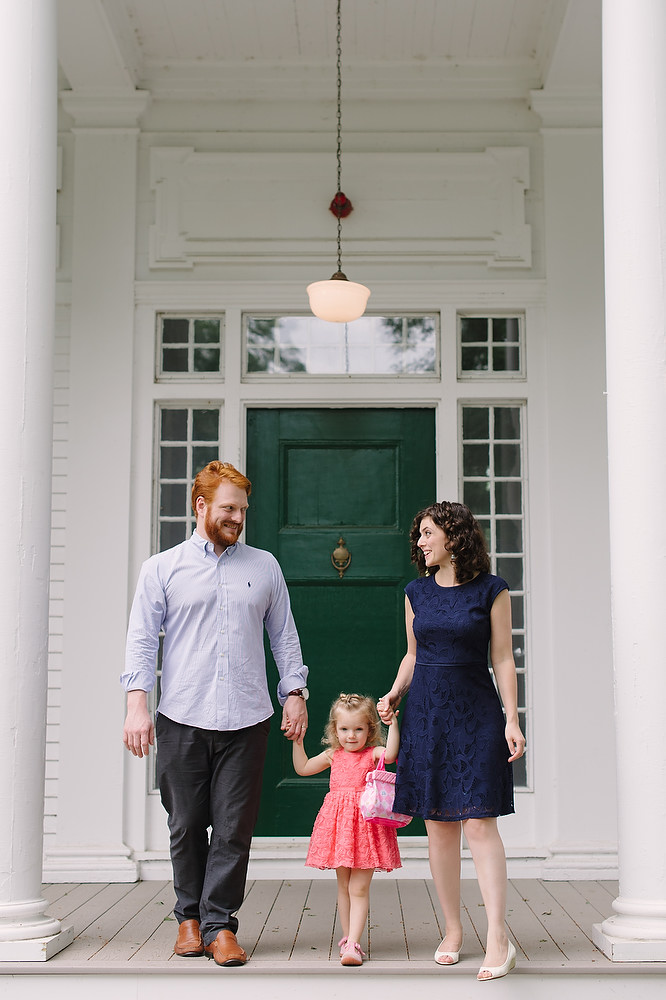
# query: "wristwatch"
{"type": "Point", "coordinates": [300, 693]}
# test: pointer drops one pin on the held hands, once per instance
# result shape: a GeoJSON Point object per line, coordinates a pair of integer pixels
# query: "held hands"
{"type": "Point", "coordinates": [294, 718]}
{"type": "Point", "coordinates": [386, 707]}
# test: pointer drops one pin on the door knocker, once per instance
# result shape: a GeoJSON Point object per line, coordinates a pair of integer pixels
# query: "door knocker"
{"type": "Point", "coordinates": [341, 557]}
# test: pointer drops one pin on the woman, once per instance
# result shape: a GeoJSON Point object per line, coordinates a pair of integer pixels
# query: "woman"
{"type": "Point", "coordinates": [453, 768]}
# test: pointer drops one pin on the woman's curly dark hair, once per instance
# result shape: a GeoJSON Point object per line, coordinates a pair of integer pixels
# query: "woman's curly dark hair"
{"type": "Point", "coordinates": [466, 540]}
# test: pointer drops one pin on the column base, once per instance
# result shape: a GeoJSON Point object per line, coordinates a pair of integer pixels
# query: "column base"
{"type": "Point", "coordinates": [36, 949]}
{"type": "Point", "coordinates": [621, 949]}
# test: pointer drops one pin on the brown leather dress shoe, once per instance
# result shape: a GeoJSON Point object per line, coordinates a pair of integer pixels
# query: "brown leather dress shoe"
{"type": "Point", "coordinates": [189, 942]}
{"type": "Point", "coordinates": [225, 949]}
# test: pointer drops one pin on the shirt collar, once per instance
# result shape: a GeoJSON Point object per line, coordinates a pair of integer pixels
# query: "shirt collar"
{"type": "Point", "coordinates": [206, 546]}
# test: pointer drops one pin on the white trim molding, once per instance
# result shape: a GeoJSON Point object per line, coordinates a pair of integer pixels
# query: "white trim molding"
{"type": "Point", "coordinates": [222, 207]}
{"type": "Point", "coordinates": [90, 864]}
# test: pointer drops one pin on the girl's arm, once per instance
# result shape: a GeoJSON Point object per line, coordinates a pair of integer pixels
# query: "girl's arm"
{"type": "Point", "coordinates": [504, 668]}
{"type": "Point", "coordinates": [390, 701]}
{"type": "Point", "coordinates": [305, 765]}
{"type": "Point", "coordinates": [393, 741]}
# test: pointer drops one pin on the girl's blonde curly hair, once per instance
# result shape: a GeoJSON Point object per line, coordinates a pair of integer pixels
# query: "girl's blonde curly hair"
{"type": "Point", "coordinates": [353, 703]}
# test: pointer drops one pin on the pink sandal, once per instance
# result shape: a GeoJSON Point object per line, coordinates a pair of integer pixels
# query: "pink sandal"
{"type": "Point", "coordinates": [352, 954]}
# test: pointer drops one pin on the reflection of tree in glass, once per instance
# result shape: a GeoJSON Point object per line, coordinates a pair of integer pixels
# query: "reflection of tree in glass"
{"type": "Point", "coordinates": [412, 340]}
{"type": "Point", "coordinates": [263, 349]}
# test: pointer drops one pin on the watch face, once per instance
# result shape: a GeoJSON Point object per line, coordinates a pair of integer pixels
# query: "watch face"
{"type": "Point", "coordinates": [305, 693]}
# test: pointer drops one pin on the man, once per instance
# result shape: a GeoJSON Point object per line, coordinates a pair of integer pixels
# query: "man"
{"type": "Point", "coordinates": [212, 596]}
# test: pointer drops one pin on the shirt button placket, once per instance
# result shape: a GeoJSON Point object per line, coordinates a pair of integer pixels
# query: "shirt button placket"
{"type": "Point", "coordinates": [222, 647]}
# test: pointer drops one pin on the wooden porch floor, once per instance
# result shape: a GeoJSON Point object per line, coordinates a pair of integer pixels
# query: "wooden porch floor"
{"type": "Point", "coordinates": [290, 926]}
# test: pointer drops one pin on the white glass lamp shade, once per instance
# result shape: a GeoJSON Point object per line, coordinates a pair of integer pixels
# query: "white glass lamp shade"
{"type": "Point", "coordinates": [338, 300]}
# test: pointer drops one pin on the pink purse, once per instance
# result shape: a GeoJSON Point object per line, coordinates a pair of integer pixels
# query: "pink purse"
{"type": "Point", "coordinates": [376, 802]}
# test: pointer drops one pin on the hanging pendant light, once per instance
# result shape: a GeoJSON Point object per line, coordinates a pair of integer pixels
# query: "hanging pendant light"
{"type": "Point", "coordinates": [338, 300]}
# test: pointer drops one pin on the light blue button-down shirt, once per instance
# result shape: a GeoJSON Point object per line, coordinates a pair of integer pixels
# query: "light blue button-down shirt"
{"type": "Point", "coordinates": [213, 612]}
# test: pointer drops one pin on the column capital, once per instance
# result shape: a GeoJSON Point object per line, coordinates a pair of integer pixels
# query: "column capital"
{"type": "Point", "coordinates": [110, 109]}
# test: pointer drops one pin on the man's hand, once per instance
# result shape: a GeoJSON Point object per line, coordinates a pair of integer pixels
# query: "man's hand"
{"type": "Point", "coordinates": [294, 718]}
{"type": "Point", "coordinates": [139, 731]}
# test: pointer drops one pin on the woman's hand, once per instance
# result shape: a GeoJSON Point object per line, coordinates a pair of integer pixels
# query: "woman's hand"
{"type": "Point", "coordinates": [515, 741]}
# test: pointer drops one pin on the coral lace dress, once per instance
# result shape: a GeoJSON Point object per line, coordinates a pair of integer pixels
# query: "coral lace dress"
{"type": "Point", "coordinates": [341, 838]}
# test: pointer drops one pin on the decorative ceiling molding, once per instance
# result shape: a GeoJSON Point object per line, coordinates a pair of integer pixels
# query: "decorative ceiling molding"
{"type": "Point", "coordinates": [568, 107]}
{"type": "Point", "coordinates": [105, 110]}
{"type": "Point", "coordinates": [413, 81]}
{"type": "Point", "coordinates": [267, 207]}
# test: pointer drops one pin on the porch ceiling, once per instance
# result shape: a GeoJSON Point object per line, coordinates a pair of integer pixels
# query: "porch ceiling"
{"type": "Point", "coordinates": [285, 49]}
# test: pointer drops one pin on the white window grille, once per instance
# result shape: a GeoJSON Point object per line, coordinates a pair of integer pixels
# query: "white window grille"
{"type": "Point", "coordinates": [187, 438]}
{"type": "Point", "coordinates": [189, 347]}
{"type": "Point", "coordinates": [492, 471]}
{"type": "Point", "coordinates": [490, 347]}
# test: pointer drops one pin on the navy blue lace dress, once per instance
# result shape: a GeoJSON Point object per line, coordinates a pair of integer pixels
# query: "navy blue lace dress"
{"type": "Point", "coordinates": [453, 754]}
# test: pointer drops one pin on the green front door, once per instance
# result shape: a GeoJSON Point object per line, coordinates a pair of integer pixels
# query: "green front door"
{"type": "Point", "coordinates": [320, 476]}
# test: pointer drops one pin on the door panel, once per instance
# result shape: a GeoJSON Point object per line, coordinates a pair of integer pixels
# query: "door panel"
{"type": "Point", "coordinates": [319, 475]}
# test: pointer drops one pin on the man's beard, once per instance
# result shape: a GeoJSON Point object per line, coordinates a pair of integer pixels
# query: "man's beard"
{"type": "Point", "coordinates": [221, 532]}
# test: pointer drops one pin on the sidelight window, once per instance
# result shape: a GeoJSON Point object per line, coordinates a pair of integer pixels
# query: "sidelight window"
{"type": "Point", "coordinates": [188, 438]}
{"type": "Point", "coordinates": [493, 487]}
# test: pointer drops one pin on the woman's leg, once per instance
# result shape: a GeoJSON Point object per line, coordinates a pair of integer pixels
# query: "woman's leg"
{"type": "Point", "coordinates": [359, 896]}
{"type": "Point", "coordinates": [342, 875]}
{"type": "Point", "coordinates": [487, 850]}
{"type": "Point", "coordinates": [444, 857]}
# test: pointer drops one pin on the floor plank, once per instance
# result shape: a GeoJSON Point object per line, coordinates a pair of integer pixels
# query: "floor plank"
{"type": "Point", "coordinates": [423, 930]}
{"type": "Point", "coordinates": [563, 930]}
{"type": "Point", "coordinates": [386, 934]}
{"type": "Point", "coordinates": [317, 936]}
{"type": "Point", "coordinates": [147, 917]}
{"type": "Point", "coordinates": [528, 932]}
{"type": "Point", "coordinates": [118, 909]}
{"type": "Point", "coordinates": [597, 895]}
{"type": "Point", "coordinates": [159, 945]}
{"type": "Point", "coordinates": [293, 924]}
{"type": "Point", "coordinates": [278, 934]}
{"type": "Point", "coordinates": [257, 905]}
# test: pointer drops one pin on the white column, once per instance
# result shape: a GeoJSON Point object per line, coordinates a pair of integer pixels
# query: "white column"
{"type": "Point", "coordinates": [28, 89]}
{"type": "Point", "coordinates": [634, 37]}
{"type": "Point", "coordinates": [89, 842]}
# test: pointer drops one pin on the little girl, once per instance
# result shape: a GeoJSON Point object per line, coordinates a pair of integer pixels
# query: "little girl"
{"type": "Point", "coordinates": [341, 838]}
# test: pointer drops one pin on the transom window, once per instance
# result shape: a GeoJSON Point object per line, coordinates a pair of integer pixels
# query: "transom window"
{"type": "Point", "coordinates": [189, 347]}
{"type": "Point", "coordinates": [490, 347]}
{"type": "Point", "coordinates": [493, 487]}
{"type": "Point", "coordinates": [403, 345]}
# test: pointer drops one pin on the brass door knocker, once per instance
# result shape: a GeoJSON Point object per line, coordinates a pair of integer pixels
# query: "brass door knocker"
{"type": "Point", "coordinates": [341, 557]}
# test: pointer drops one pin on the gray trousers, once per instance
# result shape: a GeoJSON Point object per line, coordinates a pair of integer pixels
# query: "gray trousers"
{"type": "Point", "coordinates": [210, 779]}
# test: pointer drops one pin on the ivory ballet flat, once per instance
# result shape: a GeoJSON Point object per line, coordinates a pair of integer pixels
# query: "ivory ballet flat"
{"type": "Point", "coordinates": [497, 971]}
{"type": "Point", "coordinates": [454, 956]}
